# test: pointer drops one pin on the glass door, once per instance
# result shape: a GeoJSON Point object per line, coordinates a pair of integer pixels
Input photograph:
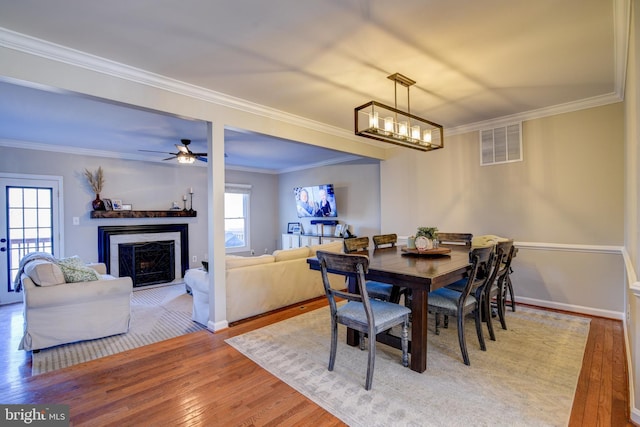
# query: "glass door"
{"type": "Point", "coordinates": [30, 224]}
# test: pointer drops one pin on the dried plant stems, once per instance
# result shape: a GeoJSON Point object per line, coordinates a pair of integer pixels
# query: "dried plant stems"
{"type": "Point", "coordinates": [95, 179]}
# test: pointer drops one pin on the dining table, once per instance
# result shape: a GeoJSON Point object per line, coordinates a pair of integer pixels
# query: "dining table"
{"type": "Point", "coordinates": [421, 272]}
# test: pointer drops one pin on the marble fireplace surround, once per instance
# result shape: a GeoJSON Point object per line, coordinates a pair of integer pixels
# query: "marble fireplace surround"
{"type": "Point", "coordinates": [109, 237]}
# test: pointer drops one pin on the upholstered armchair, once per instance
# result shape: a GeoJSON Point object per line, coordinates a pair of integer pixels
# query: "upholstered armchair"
{"type": "Point", "coordinates": [57, 312]}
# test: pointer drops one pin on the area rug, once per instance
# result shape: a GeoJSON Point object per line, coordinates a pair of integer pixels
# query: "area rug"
{"type": "Point", "coordinates": [157, 314]}
{"type": "Point", "coordinates": [527, 377]}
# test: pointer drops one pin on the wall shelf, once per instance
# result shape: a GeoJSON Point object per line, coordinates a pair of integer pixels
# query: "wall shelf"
{"type": "Point", "coordinates": [143, 214]}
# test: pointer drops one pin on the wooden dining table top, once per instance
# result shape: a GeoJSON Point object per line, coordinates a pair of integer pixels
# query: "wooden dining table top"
{"type": "Point", "coordinates": [417, 270]}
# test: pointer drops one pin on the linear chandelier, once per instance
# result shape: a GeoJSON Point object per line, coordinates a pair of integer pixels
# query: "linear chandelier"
{"type": "Point", "coordinates": [389, 124]}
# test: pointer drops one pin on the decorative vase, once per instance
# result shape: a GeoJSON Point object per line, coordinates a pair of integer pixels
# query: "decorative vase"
{"type": "Point", "coordinates": [98, 205]}
{"type": "Point", "coordinates": [429, 244]}
{"type": "Point", "coordinates": [411, 242]}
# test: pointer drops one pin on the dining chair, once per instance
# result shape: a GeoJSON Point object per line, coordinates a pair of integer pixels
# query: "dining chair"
{"type": "Point", "coordinates": [376, 290]}
{"type": "Point", "coordinates": [486, 290]}
{"type": "Point", "coordinates": [365, 315]}
{"type": "Point", "coordinates": [448, 302]}
{"type": "Point", "coordinates": [493, 288]}
{"type": "Point", "coordinates": [385, 240]}
{"type": "Point", "coordinates": [498, 287]}
{"type": "Point", "coordinates": [454, 239]}
{"type": "Point", "coordinates": [356, 244]}
{"type": "Point", "coordinates": [508, 284]}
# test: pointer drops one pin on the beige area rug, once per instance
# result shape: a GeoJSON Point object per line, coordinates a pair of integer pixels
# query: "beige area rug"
{"type": "Point", "coordinates": [157, 314]}
{"type": "Point", "coordinates": [527, 377]}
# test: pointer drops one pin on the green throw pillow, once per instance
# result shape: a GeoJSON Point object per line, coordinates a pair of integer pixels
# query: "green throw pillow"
{"type": "Point", "coordinates": [75, 270]}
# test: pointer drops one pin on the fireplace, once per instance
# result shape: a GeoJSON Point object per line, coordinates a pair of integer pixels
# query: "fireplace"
{"type": "Point", "coordinates": [147, 263]}
{"type": "Point", "coordinates": [149, 254]}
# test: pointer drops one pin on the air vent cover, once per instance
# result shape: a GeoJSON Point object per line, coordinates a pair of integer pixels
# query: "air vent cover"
{"type": "Point", "coordinates": [501, 144]}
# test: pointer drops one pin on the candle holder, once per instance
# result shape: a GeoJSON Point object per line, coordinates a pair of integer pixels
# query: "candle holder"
{"type": "Point", "coordinates": [185, 203]}
{"type": "Point", "coordinates": [191, 205]}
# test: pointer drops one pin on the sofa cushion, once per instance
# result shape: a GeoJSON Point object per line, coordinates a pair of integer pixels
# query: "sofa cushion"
{"type": "Point", "coordinates": [75, 270]}
{"type": "Point", "coordinates": [44, 273]}
{"type": "Point", "coordinates": [336, 246]}
{"type": "Point", "coordinates": [233, 261]}
{"type": "Point", "coordinates": [289, 254]}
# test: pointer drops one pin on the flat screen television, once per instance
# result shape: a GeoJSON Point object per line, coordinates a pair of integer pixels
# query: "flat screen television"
{"type": "Point", "coordinates": [317, 201]}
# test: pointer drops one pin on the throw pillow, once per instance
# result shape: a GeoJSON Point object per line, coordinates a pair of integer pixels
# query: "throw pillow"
{"type": "Point", "coordinates": [75, 270]}
{"type": "Point", "coordinates": [44, 273]}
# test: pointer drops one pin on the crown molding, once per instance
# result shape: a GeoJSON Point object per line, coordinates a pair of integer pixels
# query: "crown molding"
{"type": "Point", "coordinates": [34, 46]}
{"type": "Point", "coordinates": [596, 101]}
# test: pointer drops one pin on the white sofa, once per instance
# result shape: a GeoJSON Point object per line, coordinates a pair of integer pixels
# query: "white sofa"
{"type": "Point", "coordinates": [259, 284]}
{"type": "Point", "coordinates": [56, 312]}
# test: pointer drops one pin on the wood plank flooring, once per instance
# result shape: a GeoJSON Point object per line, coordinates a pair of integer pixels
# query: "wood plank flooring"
{"type": "Point", "coordinates": [198, 379]}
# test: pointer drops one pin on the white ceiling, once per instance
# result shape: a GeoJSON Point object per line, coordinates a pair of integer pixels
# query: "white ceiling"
{"type": "Point", "coordinates": [473, 61]}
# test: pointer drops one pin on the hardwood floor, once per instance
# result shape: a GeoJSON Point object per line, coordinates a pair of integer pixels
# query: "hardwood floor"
{"type": "Point", "coordinates": [197, 379]}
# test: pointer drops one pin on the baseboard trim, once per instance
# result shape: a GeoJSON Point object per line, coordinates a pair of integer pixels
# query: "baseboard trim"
{"type": "Point", "coordinates": [609, 314]}
{"type": "Point", "coordinates": [217, 326]}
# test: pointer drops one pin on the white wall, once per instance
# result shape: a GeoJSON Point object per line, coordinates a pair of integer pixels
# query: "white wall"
{"type": "Point", "coordinates": [357, 189]}
{"type": "Point", "coordinates": [563, 204]}
{"type": "Point", "coordinates": [632, 209]}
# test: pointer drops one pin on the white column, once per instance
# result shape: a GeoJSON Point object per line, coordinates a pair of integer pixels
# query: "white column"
{"type": "Point", "coordinates": [215, 229]}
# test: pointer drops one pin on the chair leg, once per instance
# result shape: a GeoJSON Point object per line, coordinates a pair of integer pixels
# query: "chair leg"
{"type": "Point", "coordinates": [486, 303]}
{"type": "Point", "coordinates": [501, 306]}
{"type": "Point", "coordinates": [511, 296]}
{"type": "Point", "coordinates": [437, 323]}
{"type": "Point", "coordinates": [404, 339]}
{"type": "Point", "coordinates": [371, 362]}
{"type": "Point", "coordinates": [334, 344]}
{"type": "Point", "coordinates": [478, 319]}
{"type": "Point", "coordinates": [446, 321]}
{"type": "Point", "coordinates": [462, 341]}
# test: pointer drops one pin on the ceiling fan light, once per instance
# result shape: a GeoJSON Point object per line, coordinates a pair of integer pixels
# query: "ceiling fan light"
{"type": "Point", "coordinates": [185, 159]}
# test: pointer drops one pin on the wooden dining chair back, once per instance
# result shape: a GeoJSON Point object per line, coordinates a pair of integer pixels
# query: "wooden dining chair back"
{"type": "Point", "coordinates": [365, 315]}
{"type": "Point", "coordinates": [377, 290]}
{"type": "Point", "coordinates": [356, 244]}
{"type": "Point", "coordinates": [503, 282]}
{"type": "Point", "coordinates": [492, 288]}
{"type": "Point", "coordinates": [385, 240]}
{"type": "Point", "coordinates": [455, 239]}
{"type": "Point", "coordinates": [448, 302]}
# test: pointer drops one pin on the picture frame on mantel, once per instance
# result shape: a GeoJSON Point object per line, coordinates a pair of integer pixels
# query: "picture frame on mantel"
{"type": "Point", "coordinates": [116, 204]}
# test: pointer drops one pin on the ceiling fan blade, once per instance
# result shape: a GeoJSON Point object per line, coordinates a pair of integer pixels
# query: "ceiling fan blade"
{"type": "Point", "coordinates": [200, 154]}
{"type": "Point", "coordinates": [203, 159]}
{"type": "Point", "coordinates": [182, 149]}
{"type": "Point", "coordinates": [154, 151]}
{"type": "Point", "coordinates": [170, 158]}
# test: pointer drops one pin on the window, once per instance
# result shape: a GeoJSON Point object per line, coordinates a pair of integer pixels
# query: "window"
{"type": "Point", "coordinates": [236, 217]}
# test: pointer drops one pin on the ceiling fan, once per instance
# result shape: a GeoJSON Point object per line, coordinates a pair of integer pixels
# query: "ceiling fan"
{"type": "Point", "coordinates": [184, 154]}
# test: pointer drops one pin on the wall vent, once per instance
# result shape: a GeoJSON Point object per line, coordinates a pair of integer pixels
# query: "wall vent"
{"type": "Point", "coordinates": [501, 145]}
